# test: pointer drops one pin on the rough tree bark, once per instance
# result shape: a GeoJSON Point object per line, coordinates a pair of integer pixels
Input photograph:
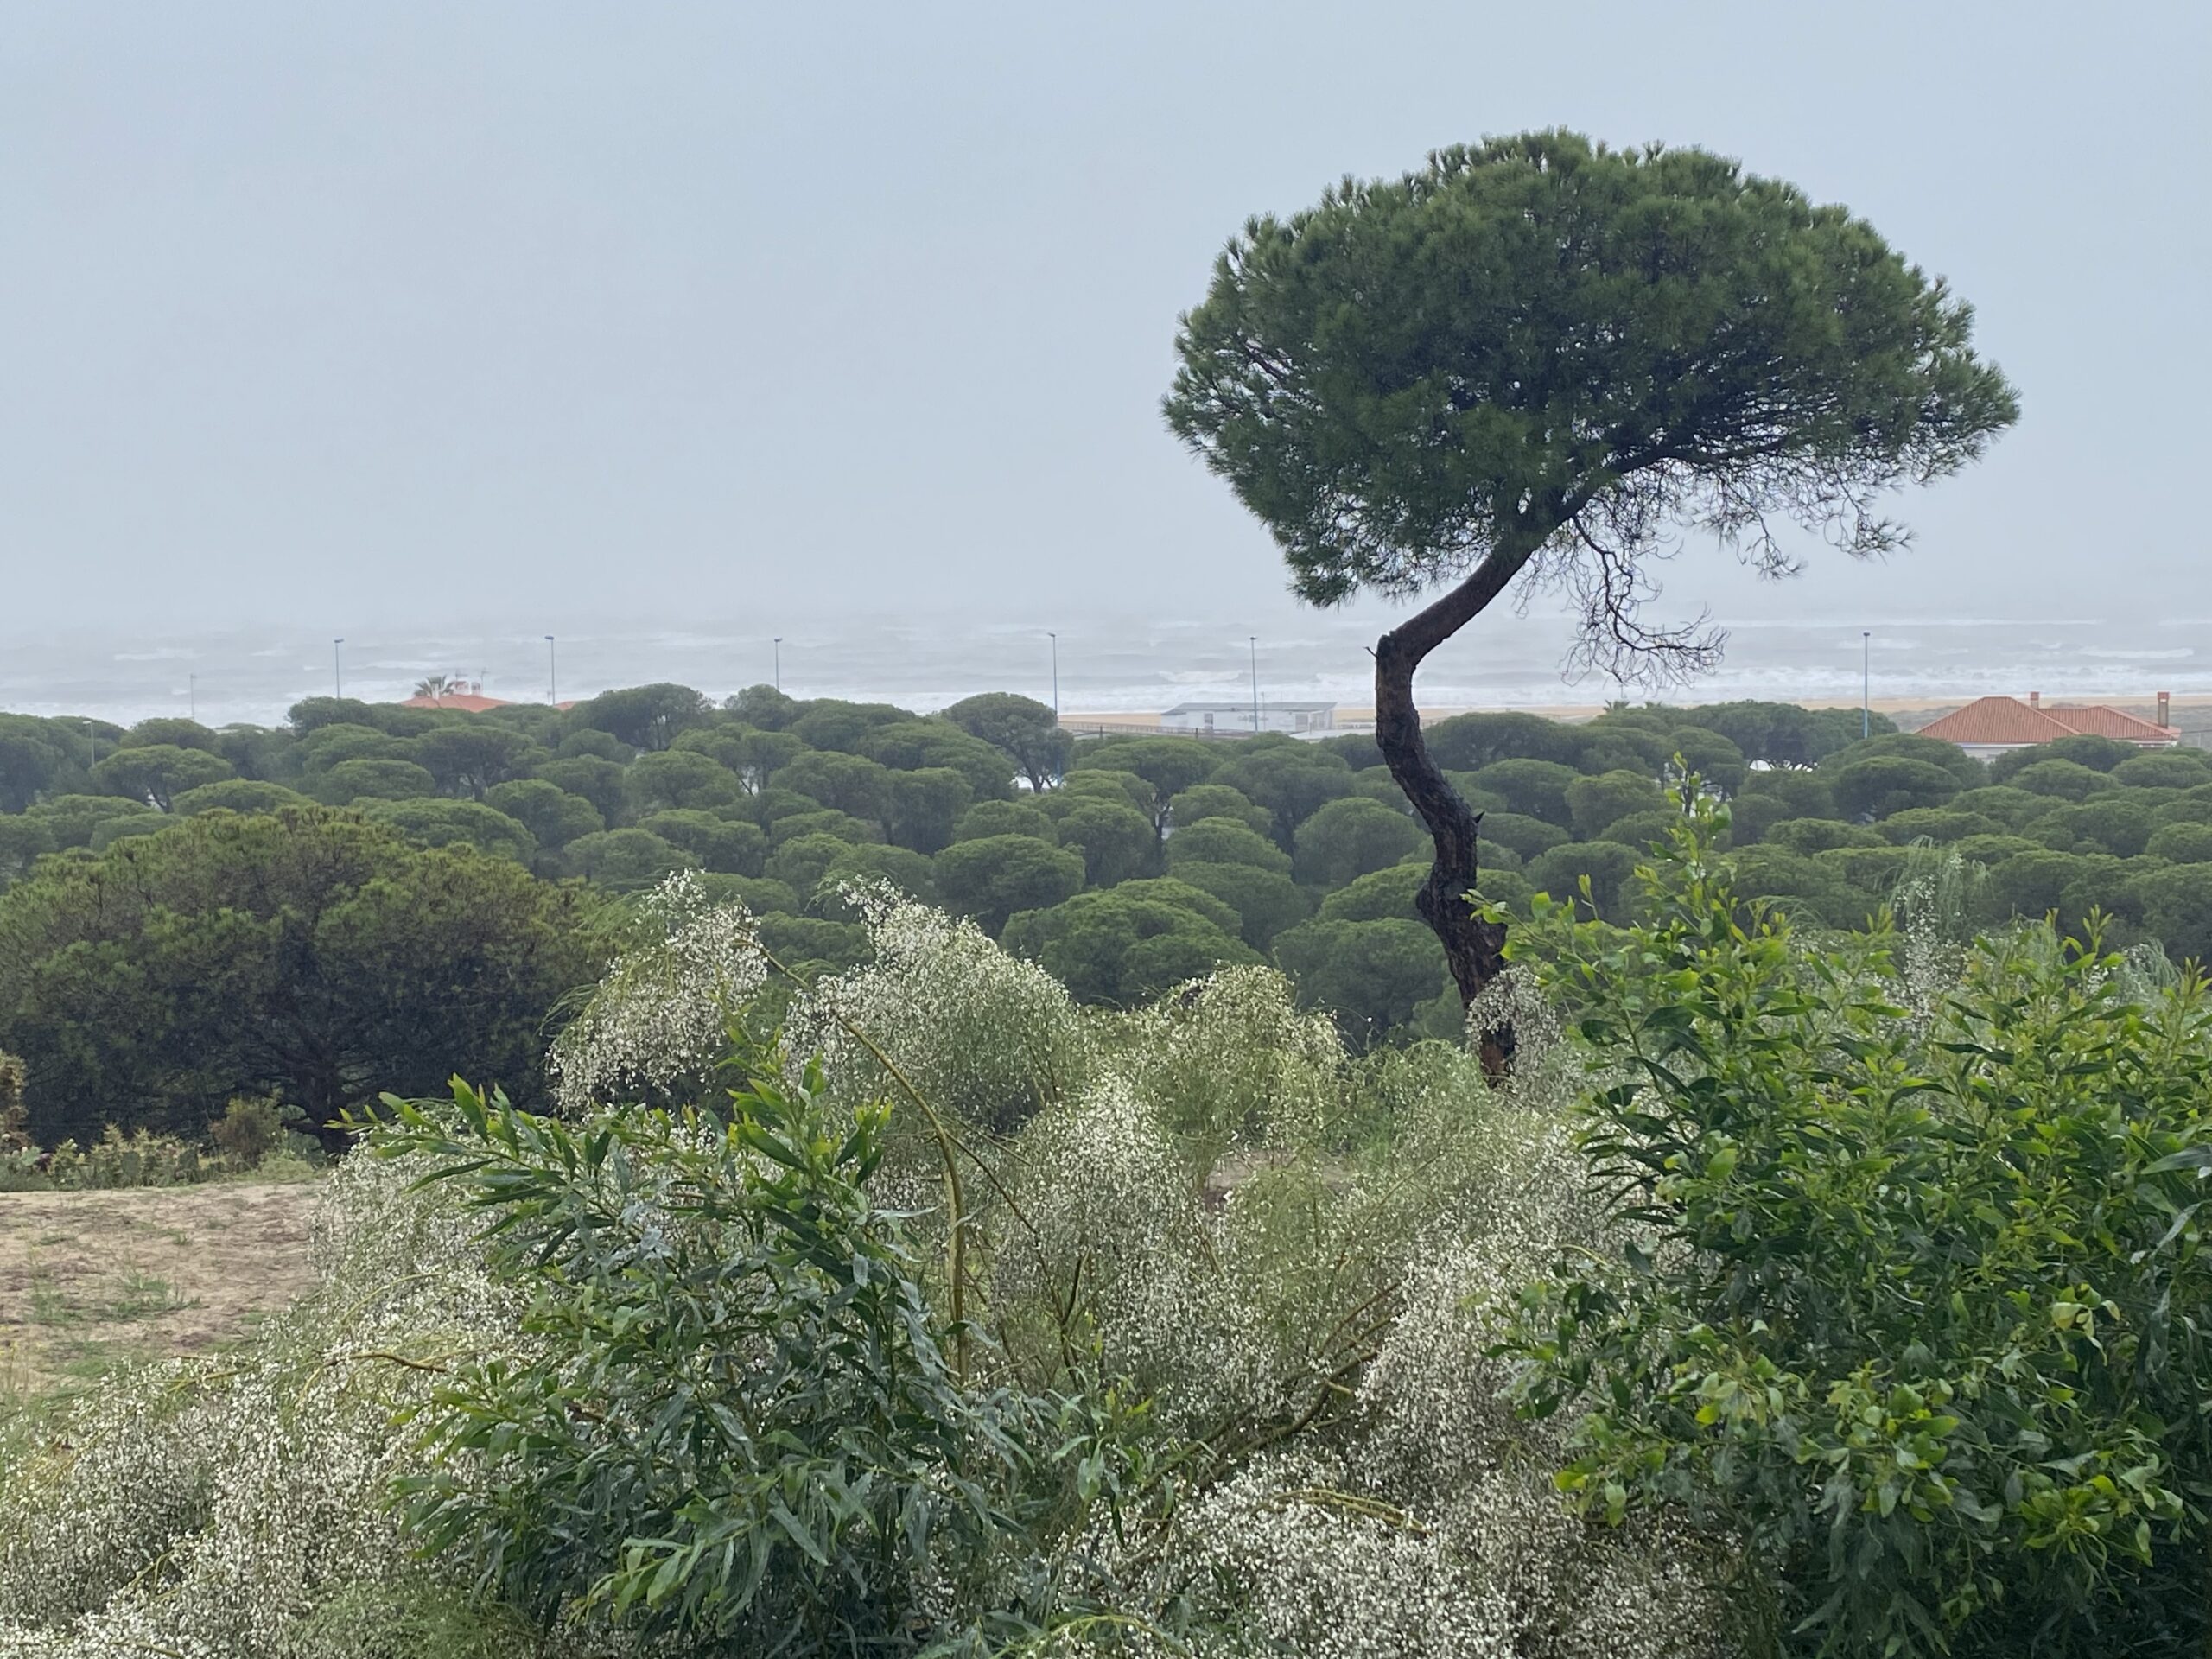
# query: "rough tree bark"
{"type": "Point", "coordinates": [1473, 948]}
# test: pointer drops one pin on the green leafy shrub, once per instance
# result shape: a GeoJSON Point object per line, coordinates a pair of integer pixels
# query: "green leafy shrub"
{"type": "Point", "coordinates": [1907, 1291]}
{"type": "Point", "coordinates": [251, 1127]}
{"type": "Point", "coordinates": [747, 1426]}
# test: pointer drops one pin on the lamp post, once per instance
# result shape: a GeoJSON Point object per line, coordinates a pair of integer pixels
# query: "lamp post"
{"type": "Point", "coordinates": [779, 662]}
{"type": "Point", "coordinates": [192, 698]}
{"type": "Point", "coordinates": [1254, 641]}
{"type": "Point", "coordinates": [337, 667]}
{"type": "Point", "coordinates": [1055, 639]}
{"type": "Point", "coordinates": [552, 673]}
{"type": "Point", "coordinates": [1866, 682]}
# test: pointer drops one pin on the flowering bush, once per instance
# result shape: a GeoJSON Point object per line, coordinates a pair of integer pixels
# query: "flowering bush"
{"type": "Point", "coordinates": [657, 1024]}
{"type": "Point", "coordinates": [1006, 1327]}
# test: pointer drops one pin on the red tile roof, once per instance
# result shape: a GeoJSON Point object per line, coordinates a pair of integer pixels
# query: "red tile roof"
{"type": "Point", "coordinates": [470, 701]}
{"type": "Point", "coordinates": [2007, 722]}
{"type": "Point", "coordinates": [2110, 722]}
{"type": "Point", "coordinates": [1997, 720]}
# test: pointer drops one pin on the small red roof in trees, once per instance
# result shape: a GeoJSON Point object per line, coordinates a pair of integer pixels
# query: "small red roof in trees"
{"type": "Point", "coordinates": [471, 701]}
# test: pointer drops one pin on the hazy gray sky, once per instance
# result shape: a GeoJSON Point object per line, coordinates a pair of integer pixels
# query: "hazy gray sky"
{"type": "Point", "coordinates": [332, 314]}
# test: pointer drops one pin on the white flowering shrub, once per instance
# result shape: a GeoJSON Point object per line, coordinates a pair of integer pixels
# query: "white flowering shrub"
{"type": "Point", "coordinates": [660, 1017]}
{"type": "Point", "coordinates": [1229, 1061]}
{"type": "Point", "coordinates": [985, 1037]}
{"type": "Point", "coordinates": [1251, 1287]}
{"type": "Point", "coordinates": [225, 1508]}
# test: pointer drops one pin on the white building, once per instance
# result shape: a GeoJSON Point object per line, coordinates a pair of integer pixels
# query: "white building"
{"type": "Point", "coordinates": [1236, 719]}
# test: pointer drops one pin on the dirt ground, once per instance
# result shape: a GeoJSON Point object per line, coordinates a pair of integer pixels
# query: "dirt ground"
{"type": "Point", "coordinates": [89, 1280]}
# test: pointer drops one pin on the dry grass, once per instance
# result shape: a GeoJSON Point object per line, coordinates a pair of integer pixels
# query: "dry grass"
{"type": "Point", "coordinates": [94, 1278]}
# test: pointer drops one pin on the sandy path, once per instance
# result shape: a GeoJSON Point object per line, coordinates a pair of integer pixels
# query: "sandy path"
{"type": "Point", "coordinates": [89, 1279]}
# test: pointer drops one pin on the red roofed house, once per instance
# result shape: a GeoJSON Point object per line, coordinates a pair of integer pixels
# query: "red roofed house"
{"type": "Point", "coordinates": [1989, 726]}
{"type": "Point", "coordinates": [439, 692]}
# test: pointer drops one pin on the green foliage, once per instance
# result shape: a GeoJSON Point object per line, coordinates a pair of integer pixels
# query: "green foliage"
{"type": "Point", "coordinates": [801, 861]}
{"type": "Point", "coordinates": [1534, 789]}
{"type": "Point", "coordinates": [236, 795]}
{"type": "Point", "coordinates": [33, 756]}
{"type": "Point", "coordinates": [1385, 895]}
{"type": "Point", "coordinates": [2182, 843]}
{"type": "Point", "coordinates": [1526, 837]}
{"type": "Point", "coordinates": [1806, 836]}
{"type": "Point", "coordinates": [2082, 749]}
{"type": "Point", "coordinates": [1129, 943]}
{"type": "Point", "coordinates": [2175, 907]}
{"type": "Point", "coordinates": [1937, 823]}
{"type": "Point", "coordinates": [1878, 785]}
{"type": "Point", "coordinates": [624, 860]}
{"type": "Point", "coordinates": [1373, 976]}
{"type": "Point", "coordinates": [553, 816]}
{"type": "Point", "coordinates": [991, 878]}
{"type": "Point", "coordinates": [1289, 781]}
{"type": "Point", "coordinates": [253, 1127]}
{"type": "Point", "coordinates": [457, 823]}
{"type": "Point", "coordinates": [1028, 732]}
{"type": "Point", "coordinates": [2164, 769]}
{"type": "Point", "coordinates": [157, 773]}
{"type": "Point", "coordinates": [927, 805]}
{"type": "Point", "coordinates": [1005, 819]}
{"type": "Point", "coordinates": [1782, 734]}
{"type": "Point", "coordinates": [2010, 806]}
{"type": "Point", "coordinates": [1170, 765]}
{"type": "Point", "coordinates": [1593, 804]}
{"type": "Point", "coordinates": [1347, 839]}
{"type": "Point", "coordinates": [924, 785]}
{"type": "Point", "coordinates": [747, 1429]}
{"type": "Point", "coordinates": [306, 952]}
{"type": "Point", "coordinates": [2061, 778]}
{"type": "Point", "coordinates": [2107, 822]}
{"type": "Point", "coordinates": [903, 870]}
{"type": "Point", "coordinates": [74, 820]}
{"type": "Point", "coordinates": [1805, 794]}
{"type": "Point", "coordinates": [468, 758]}
{"type": "Point", "coordinates": [1118, 844]}
{"type": "Point", "coordinates": [671, 779]}
{"type": "Point", "coordinates": [1396, 347]}
{"type": "Point", "coordinates": [1470, 742]}
{"type": "Point", "coordinates": [726, 846]}
{"type": "Point", "coordinates": [1596, 870]}
{"type": "Point", "coordinates": [1225, 840]}
{"type": "Point", "coordinates": [363, 778]}
{"type": "Point", "coordinates": [648, 717]}
{"type": "Point", "coordinates": [1266, 901]}
{"type": "Point", "coordinates": [1911, 746]}
{"type": "Point", "coordinates": [592, 778]}
{"type": "Point", "coordinates": [764, 706]}
{"type": "Point", "coordinates": [1202, 801]}
{"type": "Point", "coordinates": [1900, 1298]}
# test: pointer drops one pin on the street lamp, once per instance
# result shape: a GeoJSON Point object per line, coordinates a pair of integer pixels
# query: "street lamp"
{"type": "Point", "coordinates": [779, 662]}
{"type": "Point", "coordinates": [1055, 639]}
{"type": "Point", "coordinates": [1866, 682]}
{"type": "Point", "coordinates": [192, 698]}
{"type": "Point", "coordinates": [1254, 641]}
{"type": "Point", "coordinates": [552, 673]}
{"type": "Point", "coordinates": [337, 668]}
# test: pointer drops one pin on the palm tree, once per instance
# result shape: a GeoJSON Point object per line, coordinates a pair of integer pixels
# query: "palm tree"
{"type": "Point", "coordinates": [437, 685]}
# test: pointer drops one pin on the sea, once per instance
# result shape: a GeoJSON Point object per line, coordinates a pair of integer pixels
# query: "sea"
{"type": "Point", "coordinates": [1105, 664]}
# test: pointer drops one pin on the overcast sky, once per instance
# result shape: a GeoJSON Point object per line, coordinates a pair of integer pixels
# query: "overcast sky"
{"type": "Point", "coordinates": [341, 313]}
